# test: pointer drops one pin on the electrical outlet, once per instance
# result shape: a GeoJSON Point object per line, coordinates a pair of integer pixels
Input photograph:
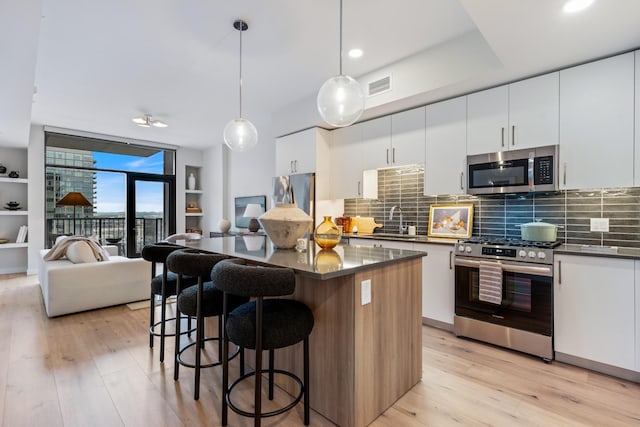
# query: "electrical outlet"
{"type": "Point", "coordinates": [365, 291]}
{"type": "Point", "coordinates": [600, 224]}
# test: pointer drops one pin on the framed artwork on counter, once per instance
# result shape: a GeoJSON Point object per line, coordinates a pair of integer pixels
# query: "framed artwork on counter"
{"type": "Point", "coordinates": [455, 221]}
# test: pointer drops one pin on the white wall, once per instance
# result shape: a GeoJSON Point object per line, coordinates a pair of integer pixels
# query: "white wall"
{"type": "Point", "coordinates": [35, 165]}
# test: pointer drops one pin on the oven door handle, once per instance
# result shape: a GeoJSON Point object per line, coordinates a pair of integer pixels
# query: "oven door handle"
{"type": "Point", "coordinates": [511, 268]}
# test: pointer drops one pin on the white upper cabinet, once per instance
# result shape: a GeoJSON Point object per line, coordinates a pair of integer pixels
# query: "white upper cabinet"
{"type": "Point", "coordinates": [487, 121]}
{"type": "Point", "coordinates": [636, 175]}
{"type": "Point", "coordinates": [376, 142]}
{"type": "Point", "coordinates": [296, 153]}
{"type": "Point", "coordinates": [346, 162]}
{"type": "Point", "coordinates": [446, 147]}
{"type": "Point", "coordinates": [306, 152]}
{"type": "Point", "coordinates": [515, 116]}
{"type": "Point", "coordinates": [394, 140]}
{"type": "Point", "coordinates": [597, 124]}
{"type": "Point", "coordinates": [407, 137]}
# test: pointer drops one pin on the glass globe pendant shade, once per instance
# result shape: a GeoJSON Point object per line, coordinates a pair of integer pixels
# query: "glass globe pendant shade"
{"type": "Point", "coordinates": [340, 101]}
{"type": "Point", "coordinates": [240, 135]}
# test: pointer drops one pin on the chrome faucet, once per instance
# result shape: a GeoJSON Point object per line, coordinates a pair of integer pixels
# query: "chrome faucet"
{"type": "Point", "coordinates": [393, 209]}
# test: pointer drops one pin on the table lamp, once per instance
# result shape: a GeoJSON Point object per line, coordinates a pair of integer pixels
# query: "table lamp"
{"type": "Point", "coordinates": [253, 211]}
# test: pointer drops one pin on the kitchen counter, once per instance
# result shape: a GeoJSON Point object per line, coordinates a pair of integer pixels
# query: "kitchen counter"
{"type": "Point", "coordinates": [599, 251]}
{"type": "Point", "coordinates": [366, 344]}
{"type": "Point", "coordinates": [401, 238]}
{"type": "Point", "coordinates": [316, 263]}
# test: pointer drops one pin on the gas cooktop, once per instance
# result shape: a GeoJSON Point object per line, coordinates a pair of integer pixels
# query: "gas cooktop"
{"type": "Point", "coordinates": [507, 249]}
{"type": "Point", "coordinates": [493, 241]}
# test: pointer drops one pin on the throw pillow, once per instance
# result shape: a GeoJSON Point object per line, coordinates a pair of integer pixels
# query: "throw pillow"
{"type": "Point", "coordinates": [80, 252]}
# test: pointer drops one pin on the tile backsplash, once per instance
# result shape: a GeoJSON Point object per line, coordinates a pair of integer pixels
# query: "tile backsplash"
{"type": "Point", "coordinates": [498, 215]}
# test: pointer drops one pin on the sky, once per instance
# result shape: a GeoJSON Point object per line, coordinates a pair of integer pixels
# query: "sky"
{"type": "Point", "coordinates": [111, 187]}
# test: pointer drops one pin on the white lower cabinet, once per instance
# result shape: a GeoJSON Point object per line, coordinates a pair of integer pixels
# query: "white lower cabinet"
{"type": "Point", "coordinates": [438, 288]}
{"type": "Point", "coordinates": [391, 244]}
{"type": "Point", "coordinates": [594, 309]}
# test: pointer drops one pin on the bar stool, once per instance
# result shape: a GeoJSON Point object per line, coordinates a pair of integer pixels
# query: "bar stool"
{"type": "Point", "coordinates": [199, 301]}
{"type": "Point", "coordinates": [163, 285]}
{"type": "Point", "coordinates": [262, 324]}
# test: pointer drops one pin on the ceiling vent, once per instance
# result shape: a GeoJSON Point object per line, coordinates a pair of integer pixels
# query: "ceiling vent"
{"type": "Point", "coordinates": [379, 86]}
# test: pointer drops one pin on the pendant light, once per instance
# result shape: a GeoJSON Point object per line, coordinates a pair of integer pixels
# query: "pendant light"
{"type": "Point", "coordinates": [340, 99]}
{"type": "Point", "coordinates": [240, 134]}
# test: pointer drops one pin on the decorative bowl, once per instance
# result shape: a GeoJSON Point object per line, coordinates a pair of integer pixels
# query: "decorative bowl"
{"type": "Point", "coordinates": [113, 239]}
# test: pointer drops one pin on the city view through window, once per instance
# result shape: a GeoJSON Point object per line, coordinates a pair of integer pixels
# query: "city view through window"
{"type": "Point", "coordinates": [101, 177]}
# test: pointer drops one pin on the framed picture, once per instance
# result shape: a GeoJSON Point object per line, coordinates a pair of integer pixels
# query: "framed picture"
{"type": "Point", "coordinates": [451, 221]}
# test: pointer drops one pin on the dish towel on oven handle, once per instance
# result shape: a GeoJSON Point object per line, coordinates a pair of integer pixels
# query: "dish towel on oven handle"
{"type": "Point", "coordinates": [490, 289]}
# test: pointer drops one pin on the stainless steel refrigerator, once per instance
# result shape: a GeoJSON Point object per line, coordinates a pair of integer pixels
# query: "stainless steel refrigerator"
{"type": "Point", "coordinates": [298, 189]}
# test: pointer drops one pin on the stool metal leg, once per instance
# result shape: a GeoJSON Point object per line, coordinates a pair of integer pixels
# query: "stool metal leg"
{"type": "Point", "coordinates": [258, 379]}
{"type": "Point", "coordinates": [163, 314]}
{"type": "Point", "coordinates": [271, 357]}
{"type": "Point", "coordinates": [306, 380]}
{"type": "Point", "coordinates": [225, 363]}
{"type": "Point", "coordinates": [176, 365]}
{"type": "Point", "coordinates": [152, 317]}
{"type": "Point", "coordinates": [199, 341]}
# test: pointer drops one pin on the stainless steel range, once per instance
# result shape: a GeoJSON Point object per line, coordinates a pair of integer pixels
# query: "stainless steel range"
{"type": "Point", "coordinates": [504, 293]}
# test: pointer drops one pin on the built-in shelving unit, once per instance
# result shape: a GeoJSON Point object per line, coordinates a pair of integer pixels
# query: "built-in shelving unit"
{"type": "Point", "coordinates": [193, 200]}
{"type": "Point", "coordinates": [13, 256]}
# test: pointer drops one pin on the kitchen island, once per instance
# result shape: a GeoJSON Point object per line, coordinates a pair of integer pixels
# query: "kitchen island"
{"type": "Point", "coordinates": [366, 345]}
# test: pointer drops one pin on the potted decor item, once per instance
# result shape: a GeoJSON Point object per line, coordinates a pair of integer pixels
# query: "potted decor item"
{"type": "Point", "coordinates": [327, 235]}
{"type": "Point", "coordinates": [285, 223]}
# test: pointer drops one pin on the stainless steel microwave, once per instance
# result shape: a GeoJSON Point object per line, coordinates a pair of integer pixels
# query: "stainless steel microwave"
{"type": "Point", "coordinates": [517, 171]}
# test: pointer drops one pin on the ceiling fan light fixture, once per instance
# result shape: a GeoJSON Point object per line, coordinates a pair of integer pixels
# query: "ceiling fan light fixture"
{"type": "Point", "coordinates": [240, 134]}
{"type": "Point", "coordinates": [340, 100]}
{"type": "Point", "coordinates": [146, 121]}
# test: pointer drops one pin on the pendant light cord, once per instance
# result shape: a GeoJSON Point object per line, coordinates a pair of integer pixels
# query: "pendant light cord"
{"type": "Point", "coordinates": [340, 37]}
{"type": "Point", "coordinates": [240, 79]}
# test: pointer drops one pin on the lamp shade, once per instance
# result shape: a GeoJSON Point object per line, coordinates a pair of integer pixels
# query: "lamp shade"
{"type": "Point", "coordinates": [253, 210]}
{"type": "Point", "coordinates": [340, 101]}
{"type": "Point", "coordinates": [73, 198]}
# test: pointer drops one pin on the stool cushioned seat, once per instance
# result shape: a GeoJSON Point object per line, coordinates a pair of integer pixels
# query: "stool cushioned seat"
{"type": "Point", "coordinates": [285, 322]}
{"type": "Point", "coordinates": [211, 300]}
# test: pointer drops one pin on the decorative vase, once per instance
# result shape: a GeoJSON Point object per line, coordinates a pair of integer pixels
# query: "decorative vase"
{"type": "Point", "coordinates": [224, 225]}
{"type": "Point", "coordinates": [327, 235]}
{"type": "Point", "coordinates": [191, 181]}
{"type": "Point", "coordinates": [285, 224]}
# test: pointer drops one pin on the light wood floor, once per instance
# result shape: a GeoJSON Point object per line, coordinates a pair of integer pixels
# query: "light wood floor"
{"type": "Point", "coordinates": [96, 369]}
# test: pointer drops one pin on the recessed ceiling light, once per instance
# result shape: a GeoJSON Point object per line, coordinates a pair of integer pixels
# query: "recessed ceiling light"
{"type": "Point", "coordinates": [573, 6]}
{"type": "Point", "coordinates": [355, 53]}
{"type": "Point", "coordinates": [146, 121]}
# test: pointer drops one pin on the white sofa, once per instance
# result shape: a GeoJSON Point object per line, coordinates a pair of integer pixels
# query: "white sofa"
{"type": "Point", "coordinates": [70, 288]}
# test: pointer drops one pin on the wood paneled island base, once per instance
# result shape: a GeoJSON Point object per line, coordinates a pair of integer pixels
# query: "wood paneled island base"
{"type": "Point", "coordinates": [363, 357]}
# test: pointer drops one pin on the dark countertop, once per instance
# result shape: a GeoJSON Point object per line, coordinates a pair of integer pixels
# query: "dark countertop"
{"type": "Point", "coordinates": [401, 238]}
{"type": "Point", "coordinates": [585, 250]}
{"type": "Point", "coordinates": [343, 260]}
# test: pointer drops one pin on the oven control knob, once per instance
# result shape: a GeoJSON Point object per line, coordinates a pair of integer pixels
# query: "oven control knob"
{"type": "Point", "coordinates": [532, 254]}
{"type": "Point", "coordinates": [542, 255]}
{"type": "Point", "coordinates": [467, 249]}
{"type": "Point", "coordinates": [461, 248]}
{"type": "Point", "coordinates": [522, 254]}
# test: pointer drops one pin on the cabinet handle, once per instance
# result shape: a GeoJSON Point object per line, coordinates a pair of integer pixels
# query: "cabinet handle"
{"type": "Point", "coordinates": [393, 155]}
{"type": "Point", "coordinates": [359, 194]}
{"type": "Point", "coordinates": [564, 174]}
{"type": "Point", "coordinates": [513, 135]}
{"type": "Point", "coordinates": [387, 156]}
{"type": "Point", "coordinates": [450, 255]}
{"type": "Point", "coordinates": [462, 180]}
{"type": "Point", "coordinates": [291, 166]}
{"type": "Point", "coordinates": [295, 166]}
{"type": "Point", "coordinates": [559, 272]}
{"type": "Point", "coordinates": [502, 136]}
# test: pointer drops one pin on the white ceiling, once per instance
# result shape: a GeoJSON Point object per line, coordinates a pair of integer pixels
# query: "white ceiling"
{"type": "Point", "coordinates": [95, 65]}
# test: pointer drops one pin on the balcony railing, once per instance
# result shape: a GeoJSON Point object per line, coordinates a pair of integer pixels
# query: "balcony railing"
{"type": "Point", "coordinates": [147, 230]}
